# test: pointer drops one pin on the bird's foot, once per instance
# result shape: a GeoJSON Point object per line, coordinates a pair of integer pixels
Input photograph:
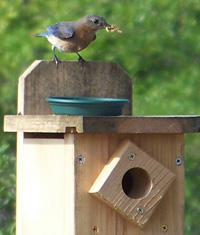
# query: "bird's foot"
{"type": "Point", "coordinates": [81, 60]}
{"type": "Point", "coordinates": [57, 61]}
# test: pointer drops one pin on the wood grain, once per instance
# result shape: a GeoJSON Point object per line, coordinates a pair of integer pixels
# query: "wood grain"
{"type": "Point", "coordinates": [121, 124]}
{"type": "Point", "coordinates": [92, 212]}
{"type": "Point", "coordinates": [145, 185]}
{"type": "Point", "coordinates": [45, 186]}
{"type": "Point", "coordinates": [52, 185]}
{"type": "Point", "coordinates": [43, 79]}
{"type": "Point", "coordinates": [43, 123]}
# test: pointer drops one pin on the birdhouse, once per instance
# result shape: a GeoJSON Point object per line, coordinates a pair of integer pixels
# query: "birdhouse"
{"type": "Point", "coordinates": [87, 174]}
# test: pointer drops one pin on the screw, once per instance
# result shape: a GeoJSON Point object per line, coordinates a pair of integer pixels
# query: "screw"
{"type": "Point", "coordinates": [131, 156]}
{"type": "Point", "coordinates": [81, 159]}
{"type": "Point", "coordinates": [140, 210]}
{"type": "Point", "coordinates": [95, 229]}
{"type": "Point", "coordinates": [164, 228]}
{"type": "Point", "coordinates": [178, 161]}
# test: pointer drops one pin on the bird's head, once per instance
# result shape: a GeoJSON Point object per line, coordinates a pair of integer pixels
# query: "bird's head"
{"type": "Point", "coordinates": [94, 22]}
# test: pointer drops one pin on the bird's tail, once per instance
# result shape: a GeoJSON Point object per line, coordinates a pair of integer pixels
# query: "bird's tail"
{"type": "Point", "coordinates": [44, 34]}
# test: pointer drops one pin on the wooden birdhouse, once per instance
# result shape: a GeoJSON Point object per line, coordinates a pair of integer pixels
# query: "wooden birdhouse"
{"type": "Point", "coordinates": [82, 175]}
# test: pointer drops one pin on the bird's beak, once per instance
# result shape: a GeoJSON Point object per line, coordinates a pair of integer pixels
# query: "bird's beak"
{"type": "Point", "coordinates": [106, 25]}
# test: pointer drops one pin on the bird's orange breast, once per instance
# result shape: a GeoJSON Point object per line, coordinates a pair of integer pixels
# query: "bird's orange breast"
{"type": "Point", "coordinates": [79, 41]}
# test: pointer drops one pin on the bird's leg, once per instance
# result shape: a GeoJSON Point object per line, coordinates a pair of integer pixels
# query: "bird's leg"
{"type": "Point", "coordinates": [55, 58]}
{"type": "Point", "coordinates": [81, 60]}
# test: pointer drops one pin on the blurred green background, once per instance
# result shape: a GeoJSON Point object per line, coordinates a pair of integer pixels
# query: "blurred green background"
{"type": "Point", "coordinates": [159, 48]}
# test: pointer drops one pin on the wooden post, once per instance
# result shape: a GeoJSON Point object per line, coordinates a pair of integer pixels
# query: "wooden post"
{"type": "Point", "coordinates": [64, 161]}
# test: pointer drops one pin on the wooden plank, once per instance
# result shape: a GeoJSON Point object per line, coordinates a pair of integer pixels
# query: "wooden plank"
{"type": "Point", "coordinates": [127, 185]}
{"type": "Point", "coordinates": [43, 79]}
{"type": "Point", "coordinates": [121, 124]}
{"type": "Point", "coordinates": [144, 124]}
{"type": "Point", "coordinates": [92, 213]}
{"type": "Point", "coordinates": [165, 149]}
{"type": "Point", "coordinates": [45, 176]}
{"type": "Point", "coordinates": [53, 185]}
{"type": "Point", "coordinates": [43, 123]}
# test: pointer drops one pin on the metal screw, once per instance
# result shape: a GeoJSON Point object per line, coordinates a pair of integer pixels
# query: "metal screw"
{"type": "Point", "coordinates": [178, 161]}
{"type": "Point", "coordinates": [164, 228]}
{"type": "Point", "coordinates": [81, 159]}
{"type": "Point", "coordinates": [140, 210]}
{"type": "Point", "coordinates": [95, 229]}
{"type": "Point", "coordinates": [131, 156]}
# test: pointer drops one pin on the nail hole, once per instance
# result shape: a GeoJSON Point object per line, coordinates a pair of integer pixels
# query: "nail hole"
{"type": "Point", "coordinates": [178, 161]}
{"type": "Point", "coordinates": [95, 229]}
{"type": "Point", "coordinates": [81, 159]}
{"type": "Point", "coordinates": [164, 228]}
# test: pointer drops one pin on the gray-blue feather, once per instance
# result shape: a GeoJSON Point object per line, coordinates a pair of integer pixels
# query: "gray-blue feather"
{"type": "Point", "coordinates": [44, 34]}
{"type": "Point", "coordinates": [62, 30]}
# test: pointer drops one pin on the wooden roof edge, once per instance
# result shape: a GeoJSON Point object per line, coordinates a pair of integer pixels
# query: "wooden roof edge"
{"type": "Point", "coordinates": [108, 124]}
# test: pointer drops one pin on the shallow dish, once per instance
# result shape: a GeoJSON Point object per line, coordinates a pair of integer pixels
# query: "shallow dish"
{"type": "Point", "coordinates": [87, 106]}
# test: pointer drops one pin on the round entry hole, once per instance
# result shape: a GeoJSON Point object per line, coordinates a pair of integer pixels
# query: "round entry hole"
{"type": "Point", "coordinates": [136, 183]}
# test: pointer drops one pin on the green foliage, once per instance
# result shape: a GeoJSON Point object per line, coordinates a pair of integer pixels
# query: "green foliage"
{"type": "Point", "coordinates": [159, 48]}
{"type": "Point", "coordinates": [7, 192]}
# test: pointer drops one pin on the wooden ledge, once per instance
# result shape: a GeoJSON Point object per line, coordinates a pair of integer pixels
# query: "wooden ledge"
{"type": "Point", "coordinates": [82, 124]}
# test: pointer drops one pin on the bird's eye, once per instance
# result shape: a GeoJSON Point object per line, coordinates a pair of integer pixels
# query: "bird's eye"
{"type": "Point", "coordinates": [95, 21]}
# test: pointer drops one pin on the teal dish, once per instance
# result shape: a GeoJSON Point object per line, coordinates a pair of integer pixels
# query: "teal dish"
{"type": "Point", "coordinates": [87, 106]}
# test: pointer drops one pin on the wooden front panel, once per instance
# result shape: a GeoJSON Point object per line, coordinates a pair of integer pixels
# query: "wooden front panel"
{"type": "Point", "coordinates": [45, 186]}
{"type": "Point", "coordinates": [92, 216]}
{"type": "Point", "coordinates": [55, 175]}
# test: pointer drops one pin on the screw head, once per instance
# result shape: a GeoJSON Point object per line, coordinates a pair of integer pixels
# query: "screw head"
{"type": "Point", "coordinates": [95, 229]}
{"type": "Point", "coordinates": [178, 161]}
{"type": "Point", "coordinates": [131, 156]}
{"type": "Point", "coordinates": [140, 210]}
{"type": "Point", "coordinates": [81, 159]}
{"type": "Point", "coordinates": [164, 228]}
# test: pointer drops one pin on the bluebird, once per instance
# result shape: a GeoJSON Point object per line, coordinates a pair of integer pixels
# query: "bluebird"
{"type": "Point", "coordinates": [74, 36]}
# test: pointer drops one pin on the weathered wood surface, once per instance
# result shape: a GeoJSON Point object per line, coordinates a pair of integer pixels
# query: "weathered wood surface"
{"type": "Point", "coordinates": [98, 79]}
{"type": "Point", "coordinates": [42, 123]}
{"type": "Point", "coordinates": [97, 150]}
{"type": "Point", "coordinates": [53, 186]}
{"type": "Point", "coordinates": [130, 184]}
{"type": "Point", "coordinates": [121, 124]}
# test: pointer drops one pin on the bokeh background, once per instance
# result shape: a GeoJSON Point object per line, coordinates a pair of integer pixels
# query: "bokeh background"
{"type": "Point", "coordinates": [159, 49]}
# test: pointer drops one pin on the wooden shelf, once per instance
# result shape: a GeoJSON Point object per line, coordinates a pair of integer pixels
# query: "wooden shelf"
{"type": "Point", "coordinates": [120, 124]}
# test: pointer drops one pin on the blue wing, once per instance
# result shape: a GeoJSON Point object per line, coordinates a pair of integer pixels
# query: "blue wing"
{"type": "Point", "coordinates": [62, 30]}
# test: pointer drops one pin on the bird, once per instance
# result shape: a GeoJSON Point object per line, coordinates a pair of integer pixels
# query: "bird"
{"type": "Point", "coordinates": [74, 36]}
